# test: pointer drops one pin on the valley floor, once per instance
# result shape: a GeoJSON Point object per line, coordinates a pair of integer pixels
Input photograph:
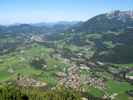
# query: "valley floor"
{"type": "Point", "coordinates": [39, 64]}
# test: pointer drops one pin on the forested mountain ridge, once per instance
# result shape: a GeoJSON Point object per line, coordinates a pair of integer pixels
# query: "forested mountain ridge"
{"type": "Point", "coordinates": [115, 21]}
{"type": "Point", "coordinates": [37, 28]}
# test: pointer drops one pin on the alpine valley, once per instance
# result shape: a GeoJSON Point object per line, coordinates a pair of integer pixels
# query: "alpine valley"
{"type": "Point", "coordinates": [90, 60]}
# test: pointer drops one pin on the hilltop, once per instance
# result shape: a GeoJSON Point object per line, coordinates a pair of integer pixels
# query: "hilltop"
{"type": "Point", "coordinates": [115, 21]}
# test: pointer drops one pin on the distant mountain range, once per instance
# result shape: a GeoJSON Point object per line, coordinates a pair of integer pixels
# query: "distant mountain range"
{"type": "Point", "coordinates": [50, 24]}
{"type": "Point", "coordinates": [116, 21]}
{"type": "Point", "coordinates": [38, 28]}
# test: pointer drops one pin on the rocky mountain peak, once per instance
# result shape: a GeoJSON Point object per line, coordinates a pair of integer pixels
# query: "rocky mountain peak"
{"type": "Point", "coordinates": [120, 14]}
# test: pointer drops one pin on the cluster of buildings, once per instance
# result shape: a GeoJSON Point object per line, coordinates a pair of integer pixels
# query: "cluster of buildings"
{"type": "Point", "coordinates": [24, 81]}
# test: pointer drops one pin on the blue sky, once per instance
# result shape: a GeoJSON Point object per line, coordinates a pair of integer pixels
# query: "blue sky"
{"type": "Point", "coordinates": [33, 11]}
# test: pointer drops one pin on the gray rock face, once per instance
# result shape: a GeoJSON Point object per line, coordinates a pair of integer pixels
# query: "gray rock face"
{"type": "Point", "coordinates": [120, 15]}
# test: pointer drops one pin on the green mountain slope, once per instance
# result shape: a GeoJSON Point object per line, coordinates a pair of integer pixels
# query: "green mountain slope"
{"type": "Point", "coordinates": [115, 21]}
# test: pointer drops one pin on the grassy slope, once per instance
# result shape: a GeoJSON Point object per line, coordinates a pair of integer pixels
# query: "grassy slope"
{"type": "Point", "coordinates": [19, 62]}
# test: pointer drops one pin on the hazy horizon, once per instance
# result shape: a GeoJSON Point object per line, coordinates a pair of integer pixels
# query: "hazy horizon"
{"type": "Point", "coordinates": [37, 11]}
